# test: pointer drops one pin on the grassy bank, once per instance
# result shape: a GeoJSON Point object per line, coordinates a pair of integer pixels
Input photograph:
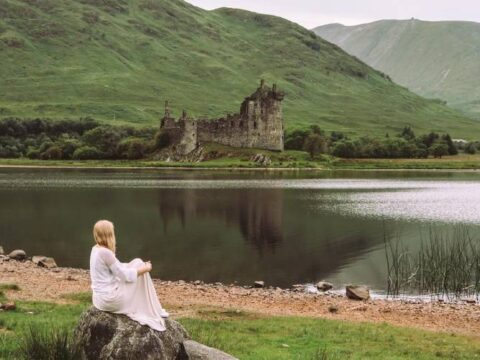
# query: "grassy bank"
{"type": "Point", "coordinates": [118, 61]}
{"type": "Point", "coordinates": [250, 336]}
{"type": "Point", "coordinates": [286, 160]}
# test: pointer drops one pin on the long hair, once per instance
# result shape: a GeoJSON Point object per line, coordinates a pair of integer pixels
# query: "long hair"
{"type": "Point", "coordinates": [104, 234]}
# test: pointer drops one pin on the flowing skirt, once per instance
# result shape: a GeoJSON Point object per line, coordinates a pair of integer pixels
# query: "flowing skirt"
{"type": "Point", "coordinates": [137, 300]}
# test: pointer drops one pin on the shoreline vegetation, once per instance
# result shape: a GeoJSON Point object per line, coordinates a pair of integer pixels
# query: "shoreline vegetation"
{"type": "Point", "coordinates": [254, 323]}
{"type": "Point", "coordinates": [326, 163]}
{"type": "Point", "coordinates": [85, 142]}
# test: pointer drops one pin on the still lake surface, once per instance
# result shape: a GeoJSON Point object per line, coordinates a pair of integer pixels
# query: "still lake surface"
{"type": "Point", "coordinates": [281, 227]}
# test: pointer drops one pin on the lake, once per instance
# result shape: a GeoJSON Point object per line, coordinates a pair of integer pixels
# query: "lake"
{"type": "Point", "coordinates": [236, 226]}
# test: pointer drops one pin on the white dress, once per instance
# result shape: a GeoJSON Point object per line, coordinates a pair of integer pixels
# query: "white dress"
{"type": "Point", "coordinates": [118, 289]}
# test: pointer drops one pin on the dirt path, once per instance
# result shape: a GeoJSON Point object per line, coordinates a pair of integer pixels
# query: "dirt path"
{"type": "Point", "coordinates": [186, 298]}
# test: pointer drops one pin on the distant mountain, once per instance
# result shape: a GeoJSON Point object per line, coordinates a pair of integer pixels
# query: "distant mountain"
{"type": "Point", "coordinates": [434, 59]}
{"type": "Point", "coordinates": [119, 60]}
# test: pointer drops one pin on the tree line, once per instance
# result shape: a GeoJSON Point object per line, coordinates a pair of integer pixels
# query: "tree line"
{"type": "Point", "coordinates": [86, 139]}
{"type": "Point", "coordinates": [83, 139]}
{"type": "Point", "coordinates": [403, 145]}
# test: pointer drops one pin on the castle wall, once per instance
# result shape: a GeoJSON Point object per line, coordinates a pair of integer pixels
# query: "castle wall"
{"type": "Point", "coordinates": [259, 125]}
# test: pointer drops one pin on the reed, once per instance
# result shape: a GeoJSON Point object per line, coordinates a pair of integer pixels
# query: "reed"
{"type": "Point", "coordinates": [446, 265]}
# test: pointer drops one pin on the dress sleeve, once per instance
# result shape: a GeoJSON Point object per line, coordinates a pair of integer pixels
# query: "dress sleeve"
{"type": "Point", "coordinates": [121, 271]}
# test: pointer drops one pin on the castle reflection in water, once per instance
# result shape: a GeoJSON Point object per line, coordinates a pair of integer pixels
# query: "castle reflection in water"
{"type": "Point", "coordinates": [258, 213]}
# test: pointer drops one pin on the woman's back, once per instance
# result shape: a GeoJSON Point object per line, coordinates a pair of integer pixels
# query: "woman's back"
{"type": "Point", "coordinates": [103, 280]}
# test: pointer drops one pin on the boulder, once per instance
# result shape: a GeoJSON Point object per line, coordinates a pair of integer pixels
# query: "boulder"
{"type": "Point", "coordinates": [44, 261]}
{"type": "Point", "coordinates": [259, 284]}
{"type": "Point", "coordinates": [324, 286]}
{"type": "Point", "coordinates": [18, 255]}
{"type": "Point", "coordinates": [101, 335]}
{"type": "Point", "coordinates": [357, 292]}
{"type": "Point", "coordinates": [195, 351]}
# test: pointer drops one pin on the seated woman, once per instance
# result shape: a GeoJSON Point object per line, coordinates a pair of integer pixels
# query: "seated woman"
{"type": "Point", "coordinates": [123, 288]}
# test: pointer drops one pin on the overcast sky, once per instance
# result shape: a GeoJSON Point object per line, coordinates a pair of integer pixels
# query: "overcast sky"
{"type": "Point", "coordinates": [312, 13]}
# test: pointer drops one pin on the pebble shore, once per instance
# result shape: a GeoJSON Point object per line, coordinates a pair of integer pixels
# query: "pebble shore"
{"type": "Point", "coordinates": [189, 298]}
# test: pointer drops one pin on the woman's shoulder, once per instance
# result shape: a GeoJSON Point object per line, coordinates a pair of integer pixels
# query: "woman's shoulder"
{"type": "Point", "coordinates": [104, 253]}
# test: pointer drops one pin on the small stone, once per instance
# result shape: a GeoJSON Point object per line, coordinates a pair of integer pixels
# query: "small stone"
{"type": "Point", "coordinates": [259, 284]}
{"type": "Point", "coordinates": [197, 282]}
{"type": "Point", "coordinates": [2, 252]}
{"type": "Point", "coordinates": [47, 262]}
{"type": "Point", "coordinates": [324, 286]}
{"type": "Point", "coordinates": [10, 306]}
{"type": "Point", "coordinates": [310, 289]}
{"type": "Point", "coordinates": [18, 255]}
{"type": "Point", "coordinates": [333, 309]}
{"type": "Point", "coordinates": [285, 345]}
{"type": "Point", "coordinates": [357, 292]}
{"type": "Point", "coordinates": [37, 258]}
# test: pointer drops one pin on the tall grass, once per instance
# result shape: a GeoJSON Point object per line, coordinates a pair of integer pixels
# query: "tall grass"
{"type": "Point", "coordinates": [47, 343]}
{"type": "Point", "coordinates": [446, 265]}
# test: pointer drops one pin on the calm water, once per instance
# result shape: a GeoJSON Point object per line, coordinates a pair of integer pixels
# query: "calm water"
{"type": "Point", "coordinates": [283, 228]}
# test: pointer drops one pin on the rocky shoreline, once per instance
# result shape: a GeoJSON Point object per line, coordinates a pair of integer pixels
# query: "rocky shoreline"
{"type": "Point", "coordinates": [38, 282]}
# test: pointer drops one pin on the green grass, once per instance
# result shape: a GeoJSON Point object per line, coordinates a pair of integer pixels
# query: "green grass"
{"type": "Point", "coordinates": [249, 336]}
{"type": "Point", "coordinates": [117, 61]}
{"type": "Point", "coordinates": [286, 160]}
{"type": "Point", "coordinates": [436, 59]}
{"type": "Point", "coordinates": [459, 162]}
{"type": "Point", "coordinates": [4, 287]}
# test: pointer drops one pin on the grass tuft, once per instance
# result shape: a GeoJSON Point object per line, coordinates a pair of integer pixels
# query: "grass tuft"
{"type": "Point", "coordinates": [48, 343]}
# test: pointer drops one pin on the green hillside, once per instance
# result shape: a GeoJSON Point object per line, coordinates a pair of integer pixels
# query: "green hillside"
{"type": "Point", "coordinates": [434, 59]}
{"type": "Point", "coordinates": [118, 60]}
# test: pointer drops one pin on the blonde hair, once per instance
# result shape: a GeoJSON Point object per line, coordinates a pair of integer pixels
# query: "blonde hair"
{"type": "Point", "coordinates": [104, 234]}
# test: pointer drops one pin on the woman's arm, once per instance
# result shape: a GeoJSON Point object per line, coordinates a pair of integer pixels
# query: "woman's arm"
{"type": "Point", "coordinates": [122, 272]}
{"type": "Point", "coordinates": [147, 267]}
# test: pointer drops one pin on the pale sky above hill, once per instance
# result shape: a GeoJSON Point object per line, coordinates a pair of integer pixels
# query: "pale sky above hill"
{"type": "Point", "coordinates": [312, 13]}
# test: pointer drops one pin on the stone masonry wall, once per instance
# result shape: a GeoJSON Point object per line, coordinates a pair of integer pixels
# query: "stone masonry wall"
{"type": "Point", "coordinates": [258, 125]}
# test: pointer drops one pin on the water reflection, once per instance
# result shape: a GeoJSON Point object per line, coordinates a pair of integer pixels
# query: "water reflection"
{"type": "Point", "coordinates": [257, 213]}
{"type": "Point", "coordinates": [281, 228]}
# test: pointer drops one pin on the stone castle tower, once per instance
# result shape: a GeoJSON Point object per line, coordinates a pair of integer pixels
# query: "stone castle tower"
{"type": "Point", "coordinates": [258, 125]}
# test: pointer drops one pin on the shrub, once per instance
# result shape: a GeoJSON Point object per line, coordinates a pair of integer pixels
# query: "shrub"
{"type": "Point", "coordinates": [52, 153]}
{"type": "Point", "coordinates": [87, 153]}
{"type": "Point", "coordinates": [296, 139]}
{"type": "Point", "coordinates": [345, 149]}
{"type": "Point", "coordinates": [162, 140]}
{"type": "Point", "coordinates": [105, 138]}
{"type": "Point", "coordinates": [438, 150]}
{"type": "Point", "coordinates": [470, 148]}
{"type": "Point", "coordinates": [315, 144]}
{"type": "Point", "coordinates": [132, 148]}
{"type": "Point", "coordinates": [136, 150]}
{"type": "Point", "coordinates": [33, 154]}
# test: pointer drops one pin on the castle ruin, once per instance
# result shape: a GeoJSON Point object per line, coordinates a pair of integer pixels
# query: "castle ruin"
{"type": "Point", "coordinates": [258, 125]}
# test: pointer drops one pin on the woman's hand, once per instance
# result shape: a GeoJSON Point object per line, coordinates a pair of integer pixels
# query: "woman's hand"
{"type": "Point", "coordinates": [147, 267]}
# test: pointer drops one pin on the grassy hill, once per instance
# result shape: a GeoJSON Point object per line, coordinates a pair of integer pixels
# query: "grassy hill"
{"type": "Point", "coordinates": [434, 59]}
{"type": "Point", "coordinates": [119, 60]}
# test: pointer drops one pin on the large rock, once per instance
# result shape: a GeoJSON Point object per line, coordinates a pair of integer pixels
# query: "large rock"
{"type": "Point", "coordinates": [18, 255]}
{"type": "Point", "coordinates": [102, 335]}
{"type": "Point", "coordinates": [195, 351]}
{"type": "Point", "coordinates": [44, 261]}
{"type": "Point", "coordinates": [357, 292]}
